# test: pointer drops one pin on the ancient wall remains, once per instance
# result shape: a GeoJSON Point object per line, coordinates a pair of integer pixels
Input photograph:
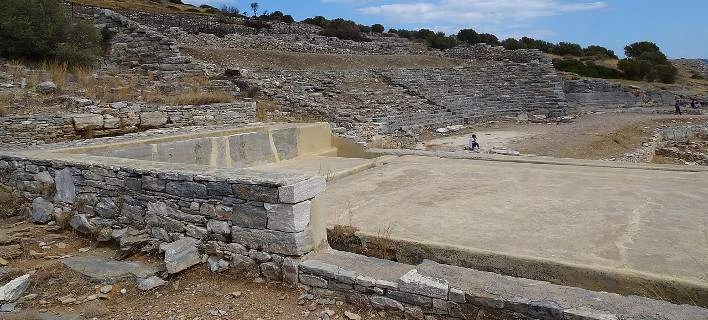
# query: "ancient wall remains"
{"type": "Point", "coordinates": [239, 218]}
{"type": "Point", "coordinates": [599, 93]}
{"type": "Point", "coordinates": [137, 46]}
{"type": "Point", "coordinates": [117, 118]}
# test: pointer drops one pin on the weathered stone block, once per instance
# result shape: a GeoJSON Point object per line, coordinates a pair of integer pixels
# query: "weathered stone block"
{"type": "Point", "coordinates": [82, 224]}
{"type": "Point", "coordinates": [410, 298]}
{"type": "Point", "coordinates": [155, 119]}
{"type": "Point", "coordinates": [584, 313]}
{"type": "Point", "coordinates": [271, 271]}
{"type": "Point", "coordinates": [384, 303]}
{"type": "Point", "coordinates": [218, 227]}
{"type": "Point", "coordinates": [88, 122]}
{"type": "Point", "coordinates": [250, 215]}
{"type": "Point", "coordinates": [186, 189]}
{"type": "Point", "coordinates": [42, 210]}
{"type": "Point", "coordinates": [301, 191]}
{"type": "Point", "coordinates": [65, 188]}
{"type": "Point", "coordinates": [329, 271]}
{"type": "Point", "coordinates": [153, 184]}
{"type": "Point", "coordinates": [414, 282]}
{"type": "Point", "coordinates": [180, 255]}
{"type": "Point", "coordinates": [288, 217]}
{"type": "Point", "coordinates": [293, 244]}
{"type": "Point", "coordinates": [313, 281]}
{"type": "Point", "coordinates": [106, 208]}
{"type": "Point", "coordinates": [256, 192]}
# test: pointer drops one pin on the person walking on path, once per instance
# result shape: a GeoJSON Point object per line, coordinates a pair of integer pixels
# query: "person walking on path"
{"type": "Point", "coordinates": [678, 106]}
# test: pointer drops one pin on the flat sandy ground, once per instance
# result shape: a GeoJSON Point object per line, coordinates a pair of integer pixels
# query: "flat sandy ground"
{"type": "Point", "coordinates": [625, 219]}
{"type": "Point", "coordinates": [592, 136]}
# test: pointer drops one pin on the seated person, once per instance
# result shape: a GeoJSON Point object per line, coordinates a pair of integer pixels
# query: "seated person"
{"type": "Point", "coordinates": [472, 145]}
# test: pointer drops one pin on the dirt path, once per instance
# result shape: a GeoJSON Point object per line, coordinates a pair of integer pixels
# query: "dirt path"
{"type": "Point", "coordinates": [593, 136]}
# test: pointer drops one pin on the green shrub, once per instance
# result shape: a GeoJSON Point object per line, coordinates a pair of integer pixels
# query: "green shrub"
{"type": "Point", "coordinates": [319, 21]}
{"type": "Point", "coordinates": [41, 30]}
{"type": "Point", "coordinates": [511, 44]}
{"type": "Point", "coordinates": [567, 48]}
{"type": "Point", "coordinates": [599, 51]}
{"type": "Point", "coordinates": [646, 62]}
{"type": "Point", "coordinates": [636, 49]}
{"type": "Point", "coordinates": [343, 29]}
{"type": "Point", "coordinates": [588, 69]}
{"type": "Point", "coordinates": [468, 35]}
{"type": "Point", "coordinates": [441, 41]}
{"type": "Point", "coordinates": [377, 28]}
{"type": "Point", "coordinates": [489, 39]}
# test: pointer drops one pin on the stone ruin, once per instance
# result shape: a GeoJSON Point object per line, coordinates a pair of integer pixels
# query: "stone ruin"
{"type": "Point", "coordinates": [240, 197]}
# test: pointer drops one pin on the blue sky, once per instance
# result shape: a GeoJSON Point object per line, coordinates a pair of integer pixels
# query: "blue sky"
{"type": "Point", "coordinates": [679, 27]}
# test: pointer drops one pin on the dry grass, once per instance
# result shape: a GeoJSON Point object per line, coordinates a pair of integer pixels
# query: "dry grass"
{"type": "Point", "coordinates": [11, 203]}
{"type": "Point", "coordinates": [5, 102]}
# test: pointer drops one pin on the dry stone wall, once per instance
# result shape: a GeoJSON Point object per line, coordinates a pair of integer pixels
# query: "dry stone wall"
{"type": "Point", "coordinates": [117, 118]}
{"type": "Point", "coordinates": [238, 219]}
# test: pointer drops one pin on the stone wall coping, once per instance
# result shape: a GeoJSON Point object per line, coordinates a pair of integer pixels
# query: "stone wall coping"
{"type": "Point", "coordinates": [198, 172]}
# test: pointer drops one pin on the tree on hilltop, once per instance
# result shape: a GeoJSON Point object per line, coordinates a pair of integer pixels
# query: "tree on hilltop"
{"type": "Point", "coordinates": [645, 61]}
{"type": "Point", "coordinates": [468, 35]}
{"type": "Point", "coordinates": [377, 28]}
{"type": "Point", "coordinates": [254, 8]}
{"type": "Point", "coordinates": [636, 49]}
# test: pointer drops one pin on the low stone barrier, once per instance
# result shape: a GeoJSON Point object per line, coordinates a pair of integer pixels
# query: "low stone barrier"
{"type": "Point", "coordinates": [118, 118]}
{"type": "Point", "coordinates": [436, 291]}
{"type": "Point", "coordinates": [237, 218]}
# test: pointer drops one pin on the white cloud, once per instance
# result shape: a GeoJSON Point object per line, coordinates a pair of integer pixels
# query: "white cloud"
{"type": "Point", "coordinates": [483, 14]}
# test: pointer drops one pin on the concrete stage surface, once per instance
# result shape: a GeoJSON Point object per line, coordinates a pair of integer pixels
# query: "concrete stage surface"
{"type": "Point", "coordinates": [635, 222]}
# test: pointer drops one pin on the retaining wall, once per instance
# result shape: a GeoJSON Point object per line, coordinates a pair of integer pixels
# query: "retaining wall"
{"type": "Point", "coordinates": [117, 118]}
{"type": "Point", "coordinates": [239, 218]}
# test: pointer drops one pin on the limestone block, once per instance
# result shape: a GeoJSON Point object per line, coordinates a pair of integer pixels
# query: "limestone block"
{"type": "Point", "coordinates": [65, 188]}
{"type": "Point", "coordinates": [414, 282]}
{"type": "Point", "coordinates": [256, 192]}
{"type": "Point", "coordinates": [288, 217]}
{"type": "Point", "coordinates": [81, 224]}
{"type": "Point", "coordinates": [271, 271]}
{"type": "Point", "coordinates": [313, 281]}
{"type": "Point", "coordinates": [155, 119]}
{"type": "Point", "coordinates": [218, 227]}
{"type": "Point", "coordinates": [180, 255]}
{"type": "Point", "coordinates": [292, 244]}
{"type": "Point", "coordinates": [329, 271]}
{"type": "Point", "coordinates": [107, 208]}
{"type": "Point", "coordinates": [42, 210]}
{"type": "Point", "coordinates": [250, 215]}
{"type": "Point", "coordinates": [111, 122]}
{"type": "Point", "coordinates": [186, 189]}
{"type": "Point", "coordinates": [384, 303]}
{"type": "Point", "coordinates": [301, 191]}
{"type": "Point", "coordinates": [88, 121]}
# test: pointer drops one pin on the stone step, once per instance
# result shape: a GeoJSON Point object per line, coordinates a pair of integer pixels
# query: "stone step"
{"type": "Point", "coordinates": [461, 293]}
